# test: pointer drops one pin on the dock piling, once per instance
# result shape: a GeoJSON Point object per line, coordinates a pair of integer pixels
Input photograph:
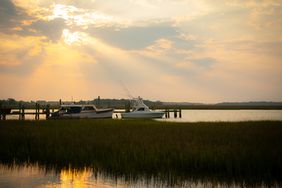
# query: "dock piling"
{"type": "Point", "coordinates": [22, 113]}
{"type": "Point", "coordinates": [168, 114]}
{"type": "Point", "coordinates": [47, 111]}
{"type": "Point", "coordinates": [175, 112]}
{"type": "Point", "coordinates": [37, 111]}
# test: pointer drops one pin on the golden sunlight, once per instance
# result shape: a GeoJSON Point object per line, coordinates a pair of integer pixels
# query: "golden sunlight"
{"type": "Point", "coordinates": [79, 17]}
{"type": "Point", "coordinates": [70, 38]}
{"type": "Point", "coordinates": [63, 11]}
{"type": "Point", "coordinates": [75, 178]}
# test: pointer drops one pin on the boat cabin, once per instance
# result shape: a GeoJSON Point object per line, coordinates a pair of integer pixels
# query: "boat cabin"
{"type": "Point", "coordinates": [138, 105]}
{"type": "Point", "coordinates": [81, 111]}
{"type": "Point", "coordinates": [72, 109]}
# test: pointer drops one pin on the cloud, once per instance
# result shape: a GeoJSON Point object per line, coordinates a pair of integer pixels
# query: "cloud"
{"type": "Point", "coordinates": [17, 20]}
{"type": "Point", "coordinates": [132, 38]}
{"type": "Point", "coordinates": [204, 61]}
{"type": "Point", "coordinates": [208, 50]}
{"type": "Point", "coordinates": [20, 55]}
{"type": "Point", "coordinates": [138, 10]}
{"type": "Point", "coordinates": [247, 68]}
{"type": "Point", "coordinates": [10, 16]}
{"type": "Point", "coordinates": [52, 29]}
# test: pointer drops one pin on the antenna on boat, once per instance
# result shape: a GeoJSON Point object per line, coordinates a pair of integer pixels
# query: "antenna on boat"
{"type": "Point", "coordinates": [117, 79]}
{"type": "Point", "coordinates": [126, 89]}
{"type": "Point", "coordinates": [131, 98]}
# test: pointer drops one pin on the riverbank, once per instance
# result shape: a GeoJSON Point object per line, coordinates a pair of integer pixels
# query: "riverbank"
{"type": "Point", "coordinates": [237, 151]}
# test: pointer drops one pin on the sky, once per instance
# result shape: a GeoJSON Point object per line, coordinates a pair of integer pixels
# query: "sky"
{"type": "Point", "coordinates": [170, 50]}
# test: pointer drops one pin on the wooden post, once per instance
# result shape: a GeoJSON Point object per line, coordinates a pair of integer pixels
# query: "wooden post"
{"type": "Point", "coordinates": [180, 113]}
{"type": "Point", "coordinates": [175, 113]}
{"type": "Point", "coordinates": [23, 114]}
{"type": "Point", "coordinates": [37, 108]}
{"type": "Point", "coordinates": [20, 111]}
{"type": "Point", "coordinates": [35, 115]}
{"type": "Point", "coordinates": [168, 114]}
{"type": "Point", "coordinates": [47, 111]}
{"type": "Point", "coordinates": [165, 113]}
{"type": "Point", "coordinates": [38, 111]}
{"type": "Point", "coordinates": [2, 116]}
{"type": "Point", "coordinates": [1, 112]}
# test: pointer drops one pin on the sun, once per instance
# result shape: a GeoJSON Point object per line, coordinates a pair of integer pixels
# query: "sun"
{"type": "Point", "coordinates": [74, 16]}
{"type": "Point", "coordinates": [64, 11]}
{"type": "Point", "coordinates": [71, 38]}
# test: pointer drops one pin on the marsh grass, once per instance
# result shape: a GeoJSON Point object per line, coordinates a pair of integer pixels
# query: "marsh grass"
{"type": "Point", "coordinates": [235, 151]}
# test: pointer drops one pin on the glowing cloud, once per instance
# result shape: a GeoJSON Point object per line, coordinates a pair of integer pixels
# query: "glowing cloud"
{"type": "Point", "coordinates": [195, 50]}
{"type": "Point", "coordinates": [75, 37]}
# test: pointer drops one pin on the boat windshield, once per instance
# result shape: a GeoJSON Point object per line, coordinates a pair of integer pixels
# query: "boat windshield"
{"type": "Point", "coordinates": [141, 109]}
{"type": "Point", "coordinates": [89, 108]}
{"type": "Point", "coordinates": [71, 109]}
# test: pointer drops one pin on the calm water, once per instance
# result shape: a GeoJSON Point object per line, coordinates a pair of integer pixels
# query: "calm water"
{"type": "Point", "coordinates": [226, 115]}
{"type": "Point", "coordinates": [206, 115]}
{"type": "Point", "coordinates": [34, 176]}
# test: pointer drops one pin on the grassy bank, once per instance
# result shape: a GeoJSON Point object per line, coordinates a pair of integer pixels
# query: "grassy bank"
{"type": "Point", "coordinates": [249, 151]}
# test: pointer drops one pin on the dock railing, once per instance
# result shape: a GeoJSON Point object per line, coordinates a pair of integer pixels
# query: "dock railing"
{"type": "Point", "coordinates": [21, 111]}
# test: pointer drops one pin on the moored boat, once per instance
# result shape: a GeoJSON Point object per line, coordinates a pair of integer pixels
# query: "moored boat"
{"type": "Point", "coordinates": [81, 111]}
{"type": "Point", "coordinates": [140, 110]}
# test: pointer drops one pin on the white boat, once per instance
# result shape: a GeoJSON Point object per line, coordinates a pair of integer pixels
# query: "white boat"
{"type": "Point", "coordinates": [140, 110]}
{"type": "Point", "coordinates": [81, 111]}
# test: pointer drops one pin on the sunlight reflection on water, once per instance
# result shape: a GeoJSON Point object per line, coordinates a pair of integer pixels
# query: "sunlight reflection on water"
{"type": "Point", "coordinates": [35, 176]}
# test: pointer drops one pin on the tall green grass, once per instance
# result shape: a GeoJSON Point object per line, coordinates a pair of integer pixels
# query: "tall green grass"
{"type": "Point", "coordinates": [249, 151]}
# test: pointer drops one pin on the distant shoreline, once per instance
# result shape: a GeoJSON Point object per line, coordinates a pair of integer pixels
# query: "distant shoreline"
{"type": "Point", "coordinates": [124, 103]}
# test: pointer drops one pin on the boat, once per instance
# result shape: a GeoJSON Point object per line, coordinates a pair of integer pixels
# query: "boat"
{"type": "Point", "coordinates": [81, 111]}
{"type": "Point", "coordinates": [140, 110]}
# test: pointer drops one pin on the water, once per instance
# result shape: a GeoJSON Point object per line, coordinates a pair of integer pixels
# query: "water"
{"type": "Point", "coordinates": [203, 115]}
{"type": "Point", "coordinates": [26, 176]}
{"type": "Point", "coordinates": [226, 115]}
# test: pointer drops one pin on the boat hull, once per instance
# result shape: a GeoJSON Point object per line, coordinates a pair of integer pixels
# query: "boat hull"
{"type": "Point", "coordinates": [85, 115]}
{"type": "Point", "coordinates": [142, 115]}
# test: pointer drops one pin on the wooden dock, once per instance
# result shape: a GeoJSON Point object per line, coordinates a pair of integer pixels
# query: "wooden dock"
{"type": "Point", "coordinates": [174, 111]}
{"type": "Point", "coordinates": [46, 110]}
{"type": "Point", "coordinates": [21, 111]}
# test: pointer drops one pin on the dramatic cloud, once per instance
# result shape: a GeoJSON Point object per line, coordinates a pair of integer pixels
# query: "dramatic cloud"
{"type": "Point", "coordinates": [132, 38]}
{"type": "Point", "coordinates": [20, 53]}
{"type": "Point", "coordinates": [10, 16]}
{"type": "Point", "coordinates": [51, 29]}
{"type": "Point", "coordinates": [184, 50]}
